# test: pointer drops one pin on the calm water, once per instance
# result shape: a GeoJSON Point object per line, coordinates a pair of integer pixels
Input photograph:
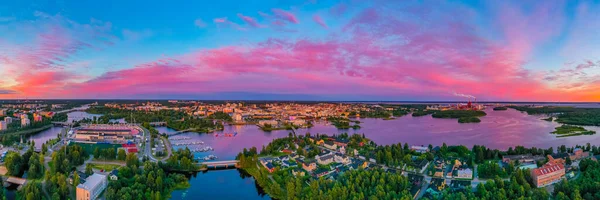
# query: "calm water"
{"type": "Point", "coordinates": [499, 129]}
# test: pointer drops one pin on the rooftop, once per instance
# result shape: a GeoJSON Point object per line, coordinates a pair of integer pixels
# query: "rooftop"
{"type": "Point", "coordinates": [92, 181]}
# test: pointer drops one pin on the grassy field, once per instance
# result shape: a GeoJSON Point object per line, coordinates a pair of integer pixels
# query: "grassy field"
{"type": "Point", "coordinates": [105, 167]}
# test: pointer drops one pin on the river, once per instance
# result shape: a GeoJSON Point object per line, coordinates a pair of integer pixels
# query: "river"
{"type": "Point", "coordinates": [499, 129]}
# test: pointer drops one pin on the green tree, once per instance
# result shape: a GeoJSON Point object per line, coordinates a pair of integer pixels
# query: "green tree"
{"type": "Point", "coordinates": [121, 155]}
{"type": "Point", "coordinates": [76, 179]}
{"type": "Point", "coordinates": [88, 169]}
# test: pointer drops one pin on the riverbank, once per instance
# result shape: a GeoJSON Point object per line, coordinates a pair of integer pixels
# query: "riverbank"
{"type": "Point", "coordinates": [29, 131]}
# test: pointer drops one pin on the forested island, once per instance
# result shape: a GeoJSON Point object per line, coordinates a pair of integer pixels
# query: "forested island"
{"type": "Point", "coordinates": [569, 130]}
{"type": "Point", "coordinates": [464, 116]}
{"type": "Point", "coordinates": [566, 115]}
{"type": "Point", "coordinates": [500, 108]}
{"type": "Point", "coordinates": [344, 123]}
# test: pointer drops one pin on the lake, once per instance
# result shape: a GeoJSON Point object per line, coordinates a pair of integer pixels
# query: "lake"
{"type": "Point", "coordinates": [499, 129]}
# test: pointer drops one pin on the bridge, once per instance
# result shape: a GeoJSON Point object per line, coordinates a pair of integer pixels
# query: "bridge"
{"type": "Point", "coordinates": [181, 132]}
{"type": "Point", "coordinates": [158, 123]}
{"type": "Point", "coordinates": [221, 164]}
{"type": "Point", "coordinates": [62, 123]}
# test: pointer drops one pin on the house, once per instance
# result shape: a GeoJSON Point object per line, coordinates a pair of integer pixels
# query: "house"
{"type": "Point", "coordinates": [342, 142]}
{"type": "Point", "coordinates": [548, 174]}
{"type": "Point", "coordinates": [287, 151]}
{"type": "Point", "coordinates": [437, 184]}
{"type": "Point", "coordinates": [320, 142]}
{"type": "Point", "coordinates": [579, 154]}
{"type": "Point", "coordinates": [358, 164]}
{"type": "Point", "coordinates": [287, 163]}
{"type": "Point", "coordinates": [419, 149]}
{"type": "Point", "coordinates": [343, 150]}
{"type": "Point", "coordinates": [321, 172]}
{"type": "Point", "coordinates": [325, 159]}
{"type": "Point", "coordinates": [113, 175]}
{"type": "Point", "coordinates": [416, 181]}
{"type": "Point", "coordinates": [464, 173]}
{"type": "Point", "coordinates": [330, 145]}
{"type": "Point", "coordinates": [284, 158]}
{"type": "Point", "coordinates": [307, 165]}
{"type": "Point", "coordinates": [266, 162]}
{"type": "Point", "coordinates": [341, 159]}
{"type": "Point", "coordinates": [298, 173]}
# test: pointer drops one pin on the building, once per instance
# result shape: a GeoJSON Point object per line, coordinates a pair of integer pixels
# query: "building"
{"type": "Point", "coordinates": [464, 173]}
{"type": "Point", "coordinates": [3, 126]}
{"type": "Point", "coordinates": [548, 174]}
{"type": "Point", "coordinates": [25, 121]}
{"type": "Point", "coordinates": [579, 154]}
{"type": "Point", "coordinates": [93, 186]}
{"type": "Point", "coordinates": [330, 145]}
{"type": "Point", "coordinates": [419, 149]}
{"type": "Point", "coordinates": [106, 133]}
{"type": "Point", "coordinates": [269, 122]}
{"type": "Point", "coordinates": [37, 117]}
{"type": "Point", "coordinates": [3, 112]}
{"type": "Point", "coordinates": [8, 120]}
{"type": "Point", "coordinates": [237, 117]}
{"type": "Point", "coordinates": [523, 159]}
{"type": "Point", "coordinates": [307, 165]}
{"type": "Point", "coordinates": [114, 175]}
{"type": "Point", "coordinates": [324, 159]}
{"type": "Point", "coordinates": [341, 159]}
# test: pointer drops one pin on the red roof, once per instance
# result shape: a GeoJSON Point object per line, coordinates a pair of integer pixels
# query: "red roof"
{"type": "Point", "coordinates": [128, 145]}
{"type": "Point", "coordinates": [132, 150]}
{"type": "Point", "coordinates": [547, 169]}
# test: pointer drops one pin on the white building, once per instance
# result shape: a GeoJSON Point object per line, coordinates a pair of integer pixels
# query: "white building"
{"type": "Point", "coordinates": [341, 159]}
{"type": "Point", "coordinates": [8, 120]}
{"type": "Point", "coordinates": [25, 121]}
{"type": "Point", "coordinates": [93, 186]}
{"type": "Point", "coordinates": [270, 122]}
{"type": "Point", "coordinates": [419, 149]}
{"type": "Point", "coordinates": [464, 173]}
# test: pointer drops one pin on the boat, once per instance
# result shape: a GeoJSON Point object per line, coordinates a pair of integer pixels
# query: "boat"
{"type": "Point", "coordinates": [209, 157]}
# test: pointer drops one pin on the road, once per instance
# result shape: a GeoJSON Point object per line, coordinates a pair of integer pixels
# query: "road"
{"type": "Point", "coordinates": [148, 147]}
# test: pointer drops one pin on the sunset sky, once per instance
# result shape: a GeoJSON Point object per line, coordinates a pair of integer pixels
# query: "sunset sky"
{"type": "Point", "coordinates": [301, 50]}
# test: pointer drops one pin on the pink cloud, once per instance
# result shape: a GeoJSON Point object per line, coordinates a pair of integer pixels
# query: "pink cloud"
{"type": "Point", "coordinates": [319, 21]}
{"type": "Point", "coordinates": [285, 15]}
{"type": "Point", "coordinates": [224, 22]}
{"type": "Point", "coordinates": [380, 53]}
{"type": "Point", "coordinates": [249, 20]}
{"type": "Point", "coordinates": [199, 23]}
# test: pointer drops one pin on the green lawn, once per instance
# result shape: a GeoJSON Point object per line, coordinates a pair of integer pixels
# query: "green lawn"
{"type": "Point", "coordinates": [105, 167]}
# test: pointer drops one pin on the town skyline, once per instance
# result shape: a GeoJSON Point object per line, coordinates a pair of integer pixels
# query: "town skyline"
{"type": "Point", "coordinates": [510, 51]}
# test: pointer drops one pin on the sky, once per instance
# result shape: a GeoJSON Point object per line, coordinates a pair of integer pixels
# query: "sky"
{"type": "Point", "coordinates": [521, 50]}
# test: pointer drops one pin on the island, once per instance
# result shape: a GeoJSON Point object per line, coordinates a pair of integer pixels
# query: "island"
{"type": "Point", "coordinates": [344, 123]}
{"type": "Point", "coordinates": [463, 116]}
{"type": "Point", "coordinates": [500, 108]}
{"type": "Point", "coordinates": [569, 130]}
{"type": "Point", "coordinates": [565, 115]}
{"type": "Point", "coordinates": [469, 120]}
